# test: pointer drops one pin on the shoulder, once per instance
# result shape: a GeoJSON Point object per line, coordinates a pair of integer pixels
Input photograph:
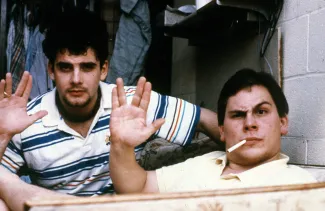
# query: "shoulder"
{"type": "Point", "coordinates": [209, 156]}
{"type": "Point", "coordinates": [35, 104]}
{"type": "Point", "coordinates": [299, 174]}
{"type": "Point", "coordinates": [106, 87]}
{"type": "Point", "coordinates": [200, 161]}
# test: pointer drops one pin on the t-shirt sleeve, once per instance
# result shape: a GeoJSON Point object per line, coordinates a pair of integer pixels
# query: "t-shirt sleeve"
{"type": "Point", "coordinates": [13, 157]}
{"type": "Point", "coordinates": [181, 118]}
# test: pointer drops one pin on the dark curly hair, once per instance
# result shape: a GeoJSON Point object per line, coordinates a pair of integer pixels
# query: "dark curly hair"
{"type": "Point", "coordinates": [77, 31]}
{"type": "Point", "coordinates": [245, 78]}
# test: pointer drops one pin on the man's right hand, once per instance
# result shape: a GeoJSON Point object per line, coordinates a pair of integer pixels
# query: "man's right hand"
{"type": "Point", "coordinates": [13, 112]}
{"type": "Point", "coordinates": [128, 122]}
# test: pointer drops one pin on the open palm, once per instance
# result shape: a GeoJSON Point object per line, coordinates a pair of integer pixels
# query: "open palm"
{"type": "Point", "coordinates": [13, 113]}
{"type": "Point", "coordinates": [128, 121]}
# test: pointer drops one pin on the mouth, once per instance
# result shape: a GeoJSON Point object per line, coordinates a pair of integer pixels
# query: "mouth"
{"type": "Point", "coordinates": [76, 92]}
{"type": "Point", "coordinates": [252, 140]}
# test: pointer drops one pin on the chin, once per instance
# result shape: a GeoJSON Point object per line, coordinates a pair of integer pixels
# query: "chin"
{"type": "Point", "coordinates": [77, 103]}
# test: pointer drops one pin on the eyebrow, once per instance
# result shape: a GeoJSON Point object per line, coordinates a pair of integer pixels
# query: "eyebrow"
{"type": "Point", "coordinates": [244, 111]}
{"type": "Point", "coordinates": [62, 63]}
{"type": "Point", "coordinates": [88, 64]}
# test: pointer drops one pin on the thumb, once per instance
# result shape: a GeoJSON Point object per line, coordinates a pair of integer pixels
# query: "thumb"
{"type": "Point", "coordinates": [152, 128]}
{"type": "Point", "coordinates": [38, 115]}
{"type": "Point", "coordinates": [156, 125]}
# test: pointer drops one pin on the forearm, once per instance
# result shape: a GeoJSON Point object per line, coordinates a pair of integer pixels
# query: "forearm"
{"type": "Point", "coordinates": [14, 192]}
{"type": "Point", "coordinates": [208, 124]}
{"type": "Point", "coordinates": [126, 174]}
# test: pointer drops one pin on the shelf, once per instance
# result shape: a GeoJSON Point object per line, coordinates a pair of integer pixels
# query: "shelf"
{"type": "Point", "coordinates": [219, 18]}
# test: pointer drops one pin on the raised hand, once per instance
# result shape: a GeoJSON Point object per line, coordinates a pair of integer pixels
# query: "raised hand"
{"type": "Point", "coordinates": [128, 122]}
{"type": "Point", "coordinates": [13, 114]}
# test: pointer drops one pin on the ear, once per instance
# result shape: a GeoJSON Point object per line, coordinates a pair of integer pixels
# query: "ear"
{"type": "Point", "coordinates": [222, 133]}
{"type": "Point", "coordinates": [104, 71]}
{"type": "Point", "coordinates": [284, 125]}
{"type": "Point", "coordinates": [50, 70]}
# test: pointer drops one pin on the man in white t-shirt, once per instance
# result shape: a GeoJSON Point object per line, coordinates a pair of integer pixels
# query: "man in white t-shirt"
{"type": "Point", "coordinates": [251, 107]}
{"type": "Point", "coordinates": [67, 149]}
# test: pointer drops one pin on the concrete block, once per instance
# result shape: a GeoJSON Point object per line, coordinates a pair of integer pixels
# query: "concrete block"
{"type": "Point", "coordinates": [295, 148]}
{"type": "Point", "coordinates": [306, 100]}
{"type": "Point", "coordinates": [317, 42]}
{"type": "Point", "coordinates": [315, 152]}
{"type": "Point", "coordinates": [297, 8]}
{"type": "Point", "coordinates": [294, 38]}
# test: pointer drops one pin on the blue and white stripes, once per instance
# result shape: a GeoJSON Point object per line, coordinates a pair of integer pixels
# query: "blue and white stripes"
{"type": "Point", "coordinates": [62, 160]}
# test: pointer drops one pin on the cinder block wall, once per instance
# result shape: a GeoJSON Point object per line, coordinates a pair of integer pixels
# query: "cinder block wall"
{"type": "Point", "coordinates": [200, 72]}
{"type": "Point", "coordinates": [303, 31]}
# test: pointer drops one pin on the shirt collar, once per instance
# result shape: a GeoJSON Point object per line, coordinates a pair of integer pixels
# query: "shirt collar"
{"type": "Point", "coordinates": [250, 175]}
{"type": "Point", "coordinates": [263, 170]}
{"type": "Point", "coordinates": [53, 117]}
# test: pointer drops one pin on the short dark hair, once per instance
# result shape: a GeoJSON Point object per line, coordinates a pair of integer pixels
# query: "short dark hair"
{"type": "Point", "coordinates": [77, 31]}
{"type": "Point", "coordinates": [245, 78]}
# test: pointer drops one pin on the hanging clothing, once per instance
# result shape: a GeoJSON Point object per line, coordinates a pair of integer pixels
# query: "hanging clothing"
{"type": "Point", "coordinates": [36, 64]}
{"type": "Point", "coordinates": [10, 43]}
{"type": "Point", "coordinates": [17, 62]}
{"type": "Point", "coordinates": [27, 29]}
{"type": "Point", "coordinates": [132, 42]}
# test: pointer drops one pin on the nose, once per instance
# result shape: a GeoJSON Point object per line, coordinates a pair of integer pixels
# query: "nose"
{"type": "Point", "coordinates": [250, 123]}
{"type": "Point", "coordinates": [76, 77]}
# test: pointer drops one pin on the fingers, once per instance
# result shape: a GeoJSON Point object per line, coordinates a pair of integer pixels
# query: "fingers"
{"type": "Point", "coordinates": [28, 88]}
{"type": "Point", "coordinates": [120, 92]}
{"type": "Point", "coordinates": [25, 81]}
{"type": "Point", "coordinates": [139, 91]}
{"type": "Point", "coordinates": [8, 87]}
{"type": "Point", "coordinates": [2, 88]}
{"type": "Point", "coordinates": [145, 100]}
{"type": "Point", "coordinates": [115, 103]}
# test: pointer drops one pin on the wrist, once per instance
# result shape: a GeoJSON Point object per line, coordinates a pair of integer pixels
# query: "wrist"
{"type": "Point", "coordinates": [5, 137]}
{"type": "Point", "coordinates": [6, 176]}
{"type": "Point", "coordinates": [120, 146]}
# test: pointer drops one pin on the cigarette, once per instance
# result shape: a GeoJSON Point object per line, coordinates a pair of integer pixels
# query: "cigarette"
{"type": "Point", "coordinates": [236, 146]}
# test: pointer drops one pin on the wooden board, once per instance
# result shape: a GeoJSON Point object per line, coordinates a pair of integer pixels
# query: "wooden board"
{"type": "Point", "coordinates": [276, 198]}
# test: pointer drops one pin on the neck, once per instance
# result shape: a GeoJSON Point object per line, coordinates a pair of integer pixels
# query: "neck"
{"type": "Point", "coordinates": [236, 168]}
{"type": "Point", "coordinates": [76, 115]}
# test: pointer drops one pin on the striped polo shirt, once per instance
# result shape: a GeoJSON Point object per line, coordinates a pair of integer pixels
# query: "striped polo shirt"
{"type": "Point", "coordinates": [58, 158]}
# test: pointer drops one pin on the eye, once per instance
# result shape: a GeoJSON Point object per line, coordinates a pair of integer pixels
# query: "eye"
{"type": "Point", "coordinates": [88, 67]}
{"type": "Point", "coordinates": [261, 111]}
{"type": "Point", "coordinates": [238, 115]}
{"type": "Point", "coordinates": [64, 67]}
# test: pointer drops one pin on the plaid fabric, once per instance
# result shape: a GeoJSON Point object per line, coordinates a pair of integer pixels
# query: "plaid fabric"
{"type": "Point", "coordinates": [17, 64]}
